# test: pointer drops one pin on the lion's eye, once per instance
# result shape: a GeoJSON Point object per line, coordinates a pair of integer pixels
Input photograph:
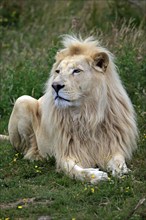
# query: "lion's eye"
{"type": "Point", "coordinates": [57, 71]}
{"type": "Point", "coordinates": [76, 71]}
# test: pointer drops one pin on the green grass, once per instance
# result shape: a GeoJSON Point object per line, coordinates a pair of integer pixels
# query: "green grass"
{"type": "Point", "coordinates": [30, 38]}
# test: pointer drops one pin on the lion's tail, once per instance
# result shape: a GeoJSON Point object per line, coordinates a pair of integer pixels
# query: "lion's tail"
{"type": "Point", "coordinates": [4, 137]}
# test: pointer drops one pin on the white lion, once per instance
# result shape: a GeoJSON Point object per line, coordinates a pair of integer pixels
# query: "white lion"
{"type": "Point", "coordinates": [85, 118]}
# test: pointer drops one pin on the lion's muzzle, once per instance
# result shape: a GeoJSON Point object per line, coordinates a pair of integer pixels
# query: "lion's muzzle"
{"type": "Point", "coordinates": [57, 86]}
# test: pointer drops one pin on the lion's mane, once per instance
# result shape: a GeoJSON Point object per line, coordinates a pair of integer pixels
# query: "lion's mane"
{"type": "Point", "coordinates": [101, 127]}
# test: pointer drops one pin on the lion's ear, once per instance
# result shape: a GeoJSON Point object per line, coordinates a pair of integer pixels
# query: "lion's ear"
{"type": "Point", "coordinates": [101, 61]}
{"type": "Point", "coordinates": [61, 54]}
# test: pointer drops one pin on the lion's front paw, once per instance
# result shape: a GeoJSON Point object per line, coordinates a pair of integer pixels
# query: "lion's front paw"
{"type": "Point", "coordinates": [118, 167]}
{"type": "Point", "coordinates": [93, 175]}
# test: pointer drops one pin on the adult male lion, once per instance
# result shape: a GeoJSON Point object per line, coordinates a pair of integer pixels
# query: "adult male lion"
{"type": "Point", "coordinates": [85, 118]}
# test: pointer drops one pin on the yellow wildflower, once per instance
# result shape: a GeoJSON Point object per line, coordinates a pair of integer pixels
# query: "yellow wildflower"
{"type": "Point", "coordinates": [92, 190]}
{"type": "Point", "coordinates": [38, 171]}
{"type": "Point", "coordinates": [19, 207]}
{"type": "Point", "coordinates": [93, 176]}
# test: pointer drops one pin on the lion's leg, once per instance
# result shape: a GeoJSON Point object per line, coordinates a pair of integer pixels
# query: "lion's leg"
{"type": "Point", "coordinates": [118, 165]}
{"type": "Point", "coordinates": [23, 124]}
{"type": "Point", "coordinates": [91, 175]}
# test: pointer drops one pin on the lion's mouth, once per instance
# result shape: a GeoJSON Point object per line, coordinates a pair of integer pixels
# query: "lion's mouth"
{"type": "Point", "coordinates": [59, 97]}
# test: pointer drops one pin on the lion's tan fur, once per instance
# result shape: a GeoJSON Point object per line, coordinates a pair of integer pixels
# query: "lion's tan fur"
{"type": "Point", "coordinates": [90, 134]}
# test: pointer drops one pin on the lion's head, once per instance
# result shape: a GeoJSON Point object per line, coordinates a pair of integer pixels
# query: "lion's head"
{"type": "Point", "coordinates": [79, 72]}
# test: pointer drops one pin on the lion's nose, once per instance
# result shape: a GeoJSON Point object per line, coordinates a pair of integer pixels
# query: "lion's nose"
{"type": "Point", "coordinates": [57, 87]}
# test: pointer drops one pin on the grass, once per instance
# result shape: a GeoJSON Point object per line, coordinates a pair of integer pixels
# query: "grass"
{"type": "Point", "coordinates": [30, 38]}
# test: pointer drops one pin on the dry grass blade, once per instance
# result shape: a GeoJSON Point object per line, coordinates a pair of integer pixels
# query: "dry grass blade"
{"type": "Point", "coordinates": [24, 203]}
{"type": "Point", "coordinates": [4, 138]}
{"type": "Point", "coordinates": [141, 202]}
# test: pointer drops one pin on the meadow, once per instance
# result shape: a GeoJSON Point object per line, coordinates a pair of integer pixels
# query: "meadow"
{"type": "Point", "coordinates": [30, 34]}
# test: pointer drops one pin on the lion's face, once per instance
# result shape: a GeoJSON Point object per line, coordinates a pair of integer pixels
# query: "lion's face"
{"type": "Point", "coordinates": [72, 81]}
{"type": "Point", "coordinates": [76, 76]}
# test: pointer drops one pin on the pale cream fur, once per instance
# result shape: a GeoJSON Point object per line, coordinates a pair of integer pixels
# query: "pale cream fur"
{"type": "Point", "coordinates": [94, 126]}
